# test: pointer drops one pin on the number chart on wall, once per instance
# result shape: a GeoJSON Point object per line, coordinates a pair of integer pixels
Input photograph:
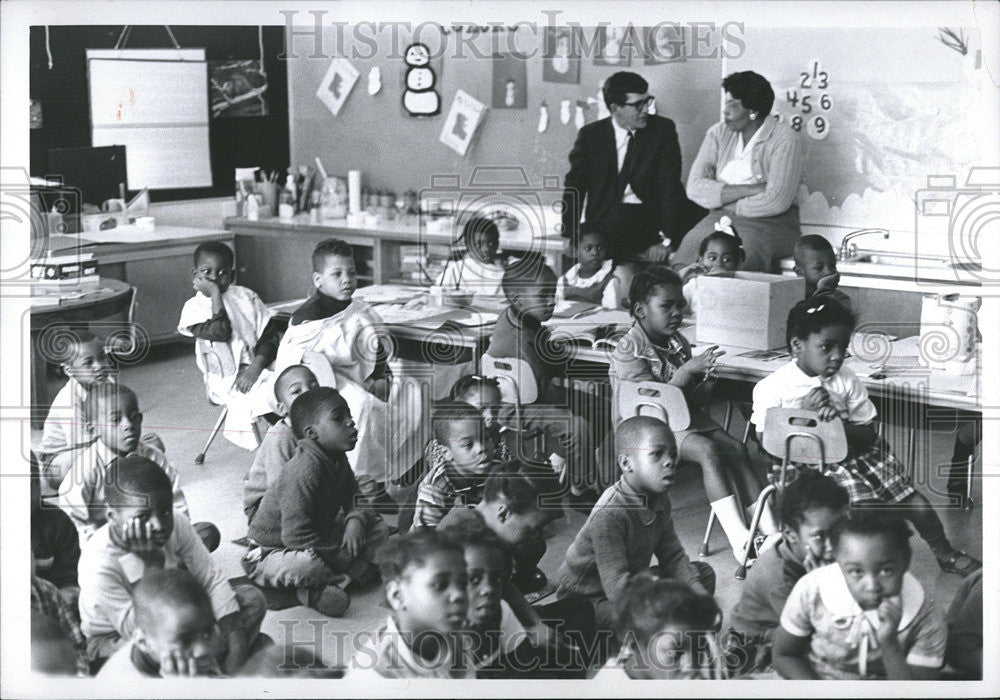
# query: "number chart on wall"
{"type": "Point", "coordinates": [879, 110]}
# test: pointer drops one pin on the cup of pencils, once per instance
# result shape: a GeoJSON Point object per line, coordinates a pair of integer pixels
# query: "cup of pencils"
{"type": "Point", "coordinates": [269, 193]}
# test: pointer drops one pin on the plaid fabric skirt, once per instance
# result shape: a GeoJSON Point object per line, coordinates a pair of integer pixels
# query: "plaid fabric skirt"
{"type": "Point", "coordinates": [875, 474]}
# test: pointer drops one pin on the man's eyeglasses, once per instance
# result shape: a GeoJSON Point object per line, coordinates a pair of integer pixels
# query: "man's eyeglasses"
{"type": "Point", "coordinates": [640, 105]}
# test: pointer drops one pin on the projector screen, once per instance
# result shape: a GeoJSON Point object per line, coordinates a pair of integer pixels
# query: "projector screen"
{"type": "Point", "coordinates": [155, 103]}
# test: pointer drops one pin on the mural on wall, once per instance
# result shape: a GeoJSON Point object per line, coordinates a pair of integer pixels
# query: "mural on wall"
{"type": "Point", "coordinates": [420, 98]}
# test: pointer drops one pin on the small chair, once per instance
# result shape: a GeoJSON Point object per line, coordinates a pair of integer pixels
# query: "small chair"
{"type": "Point", "coordinates": [518, 387]}
{"type": "Point", "coordinates": [666, 401]}
{"type": "Point", "coordinates": [796, 435]}
{"type": "Point", "coordinates": [217, 360]}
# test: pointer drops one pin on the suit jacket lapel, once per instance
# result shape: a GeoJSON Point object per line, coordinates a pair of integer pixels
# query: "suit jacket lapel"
{"type": "Point", "coordinates": [608, 141]}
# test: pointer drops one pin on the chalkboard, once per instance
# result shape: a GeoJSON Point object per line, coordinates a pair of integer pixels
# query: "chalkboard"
{"type": "Point", "coordinates": [880, 110]}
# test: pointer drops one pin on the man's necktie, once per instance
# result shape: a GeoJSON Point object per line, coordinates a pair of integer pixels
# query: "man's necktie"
{"type": "Point", "coordinates": [625, 173]}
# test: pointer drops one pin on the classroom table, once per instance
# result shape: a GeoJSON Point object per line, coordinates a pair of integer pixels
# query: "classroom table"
{"type": "Point", "coordinates": [889, 368]}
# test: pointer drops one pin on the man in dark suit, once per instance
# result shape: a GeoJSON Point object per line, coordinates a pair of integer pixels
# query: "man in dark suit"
{"type": "Point", "coordinates": [628, 169]}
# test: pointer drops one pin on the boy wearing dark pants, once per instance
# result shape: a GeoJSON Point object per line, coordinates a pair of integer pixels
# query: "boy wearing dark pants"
{"type": "Point", "coordinates": [570, 419]}
{"type": "Point", "coordinates": [630, 523]}
{"type": "Point", "coordinates": [297, 539]}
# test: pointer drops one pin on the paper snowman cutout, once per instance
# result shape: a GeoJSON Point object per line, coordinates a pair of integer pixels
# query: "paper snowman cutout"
{"type": "Point", "coordinates": [374, 80]}
{"type": "Point", "coordinates": [543, 117]}
{"type": "Point", "coordinates": [420, 98]}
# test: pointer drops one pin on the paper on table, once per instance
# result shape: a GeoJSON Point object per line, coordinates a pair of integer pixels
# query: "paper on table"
{"type": "Point", "coordinates": [389, 293]}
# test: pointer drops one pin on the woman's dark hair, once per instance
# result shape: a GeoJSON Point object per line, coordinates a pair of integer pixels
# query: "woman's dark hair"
{"type": "Point", "coordinates": [734, 242]}
{"type": "Point", "coordinates": [814, 314]}
{"type": "Point", "coordinates": [874, 520]}
{"type": "Point", "coordinates": [620, 84]}
{"type": "Point", "coordinates": [751, 89]}
{"type": "Point", "coordinates": [469, 382]}
{"type": "Point", "coordinates": [647, 281]}
{"type": "Point", "coordinates": [810, 490]}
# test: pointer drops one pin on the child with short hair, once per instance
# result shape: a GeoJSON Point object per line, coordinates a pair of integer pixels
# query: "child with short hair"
{"type": "Point", "coordinates": [175, 632]}
{"type": "Point", "coordinates": [720, 253]}
{"type": "Point", "coordinates": [142, 534]}
{"type": "Point", "coordinates": [345, 332]}
{"type": "Point", "coordinates": [278, 444]}
{"type": "Point", "coordinates": [668, 632]}
{"type": "Point", "coordinates": [818, 335]}
{"type": "Point", "coordinates": [111, 413]}
{"type": "Point", "coordinates": [816, 262]}
{"type": "Point", "coordinates": [654, 350]}
{"type": "Point", "coordinates": [529, 286]}
{"type": "Point", "coordinates": [592, 279]}
{"type": "Point", "coordinates": [239, 330]}
{"type": "Point", "coordinates": [458, 459]}
{"type": "Point", "coordinates": [864, 617]}
{"type": "Point", "coordinates": [55, 544]}
{"type": "Point", "coordinates": [630, 523]}
{"type": "Point", "coordinates": [481, 267]}
{"type": "Point", "coordinates": [426, 587]}
{"type": "Point", "coordinates": [65, 432]}
{"type": "Point", "coordinates": [297, 539]}
{"type": "Point", "coordinates": [811, 506]}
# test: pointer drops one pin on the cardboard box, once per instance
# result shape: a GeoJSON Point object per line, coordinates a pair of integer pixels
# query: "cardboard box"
{"type": "Point", "coordinates": [746, 309]}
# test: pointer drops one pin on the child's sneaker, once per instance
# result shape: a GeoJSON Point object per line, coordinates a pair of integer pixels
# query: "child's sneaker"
{"type": "Point", "coordinates": [328, 600]}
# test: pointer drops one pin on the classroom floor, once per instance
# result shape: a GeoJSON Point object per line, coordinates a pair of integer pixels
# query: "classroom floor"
{"type": "Point", "coordinates": [172, 399]}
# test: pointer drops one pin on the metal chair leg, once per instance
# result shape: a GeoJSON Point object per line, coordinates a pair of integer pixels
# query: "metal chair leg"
{"type": "Point", "coordinates": [704, 551]}
{"type": "Point", "coordinates": [200, 459]}
{"type": "Point", "coordinates": [968, 505]}
{"type": "Point", "coordinates": [728, 420]}
{"type": "Point", "coordinates": [741, 571]}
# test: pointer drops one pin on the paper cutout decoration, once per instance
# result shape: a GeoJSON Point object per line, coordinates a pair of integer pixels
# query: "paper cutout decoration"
{"type": "Point", "coordinates": [337, 84]}
{"type": "Point", "coordinates": [510, 82]}
{"type": "Point", "coordinates": [602, 109]}
{"type": "Point", "coordinates": [580, 118]}
{"type": "Point", "coordinates": [564, 114]}
{"type": "Point", "coordinates": [561, 56]}
{"type": "Point", "coordinates": [420, 99]}
{"type": "Point", "coordinates": [461, 123]}
{"type": "Point", "coordinates": [543, 117]}
{"type": "Point", "coordinates": [652, 108]}
{"type": "Point", "coordinates": [613, 46]}
{"type": "Point", "coordinates": [664, 43]}
{"type": "Point", "coordinates": [374, 80]}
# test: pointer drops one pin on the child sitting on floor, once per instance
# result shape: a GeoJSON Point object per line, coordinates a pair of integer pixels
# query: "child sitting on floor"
{"type": "Point", "coordinates": [238, 329]}
{"type": "Point", "coordinates": [529, 286]}
{"type": "Point", "coordinates": [654, 350]}
{"type": "Point", "coordinates": [65, 433]}
{"type": "Point", "coordinates": [811, 506]}
{"type": "Point", "coordinates": [630, 523]}
{"type": "Point", "coordinates": [458, 459]}
{"type": "Point", "coordinates": [55, 544]}
{"type": "Point", "coordinates": [278, 444]}
{"type": "Point", "coordinates": [819, 333]}
{"type": "Point", "coordinates": [592, 279]}
{"type": "Point", "coordinates": [175, 632]}
{"type": "Point", "coordinates": [719, 253]}
{"type": "Point", "coordinates": [668, 632]}
{"type": "Point", "coordinates": [817, 263]}
{"type": "Point", "coordinates": [343, 333]}
{"type": "Point", "coordinates": [865, 617]}
{"type": "Point", "coordinates": [111, 413]}
{"type": "Point", "coordinates": [426, 588]}
{"type": "Point", "coordinates": [142, 534]}
{"type": "Point", "coordinates": [297, 539]}
{"type": "Point", "coordinates": [480, 269]}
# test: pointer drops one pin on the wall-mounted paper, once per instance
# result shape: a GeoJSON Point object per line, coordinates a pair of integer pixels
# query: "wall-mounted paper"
{"type": "Point", "coordinates": [336, 84]}
{"type": "Point", "coordinates": [155, 103]}
{"type": "Point", "coordinates": [463, 118]}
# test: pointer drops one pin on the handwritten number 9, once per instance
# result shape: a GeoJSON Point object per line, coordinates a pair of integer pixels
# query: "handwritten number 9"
{"type": "Point", "coordinates": [820, 125]}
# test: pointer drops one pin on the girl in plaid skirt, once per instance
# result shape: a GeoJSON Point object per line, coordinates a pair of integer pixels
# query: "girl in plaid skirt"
{"type": "Point", "coordinates": [819, 332]}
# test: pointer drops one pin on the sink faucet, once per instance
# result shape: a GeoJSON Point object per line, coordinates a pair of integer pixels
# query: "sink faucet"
{"type": "Point", "coordinates": [849, 251]}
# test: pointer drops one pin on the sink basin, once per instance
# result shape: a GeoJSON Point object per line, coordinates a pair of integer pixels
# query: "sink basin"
{"type": "Point", "coordinates": [898, 260]}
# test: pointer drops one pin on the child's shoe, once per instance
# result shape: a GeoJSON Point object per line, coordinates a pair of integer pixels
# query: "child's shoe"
{"type": "Point", "coordinates": [950, 562]}
{"type": "Point", "coordinates": [328, 600]}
